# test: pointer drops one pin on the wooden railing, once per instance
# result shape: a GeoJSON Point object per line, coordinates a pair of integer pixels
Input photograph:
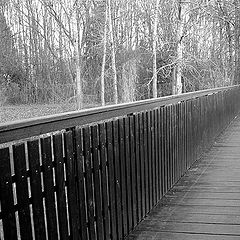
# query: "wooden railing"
{"type": "Point", "coordinates": [95, 174]}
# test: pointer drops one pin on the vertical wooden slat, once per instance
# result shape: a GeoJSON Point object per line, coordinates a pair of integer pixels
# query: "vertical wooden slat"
{"type": "Point", "coordinates": [153, 159]}
{"type": "Point", "coordinates": [174, 143]}
{"type": "Point", "coordinates": [104, 181]}
{"type": "Point", "coordinates": [128, 173]}
{"type": "Point", "coordinates": [138, 166]}
{"type": "Point", "coordinates": [156, 136]}
{"type": "Point", "coordinates": [146, 163]}
{"type": "Point", "coordinates": [111, 182]}
{"type": "Point", "coordinates": [123, 177]}
{"type": "Point", "coordinates": [117, 179]}
{"type": "Point", "coordinates": [160, 150]}
{"type": "Point", "coordinates": [6, 196]}
{"type": "Point", "coordinates": [149, 159]}
{"type": "Point", "coordinates": [72, 187]}
{"type": "Point", "coordinates": [142, 172]}
{"type": "Point", "coordinates": [60, 186]}
{"type": "Point", "coordinates": [170, 145]}
{"type": "Point", "coordinates": [164, 151]}
{"type": "Point", "coordinates": [22, 191]}
{"type": "Point", "coordinates": [97, 187]}
{"type": "Point", "coordinates": [49, 188]}
{"type": "Point", "coordinates": [80, 183]}
{"type": "Point", "coordinates": [133, 169]}
{"type": "Point", "coordinates": [36, 190]}
{"type": "Point", "coordinates": [89, 182]}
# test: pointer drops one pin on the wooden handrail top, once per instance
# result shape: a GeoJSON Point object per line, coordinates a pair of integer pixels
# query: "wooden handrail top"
{"type": "Point", "coordinates": [16, 130]}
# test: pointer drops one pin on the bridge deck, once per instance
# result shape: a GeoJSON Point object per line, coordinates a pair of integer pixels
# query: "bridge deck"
{"type": "Point", "coordinates": [205, 203]}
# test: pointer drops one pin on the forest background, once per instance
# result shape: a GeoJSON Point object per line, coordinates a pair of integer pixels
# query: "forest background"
{"type": "Point", "coordinates": [74, 54]}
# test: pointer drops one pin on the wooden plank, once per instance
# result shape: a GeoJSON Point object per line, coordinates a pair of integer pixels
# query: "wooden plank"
{"type": "Point", "coordinates": [80, 183]}
{"type": "Point", "coordinates": [111, 182]}
{"type": "Point", "coordinates": [197, 228]}
{"type": "Point", "coordinates": [6, 196]}
{"type": "Point", "coordinates": [153, 159]}
{"type": "Point", "coordinates": [47, 165]}
{"type": "Point", "coordinates": [71, 187]}
{"type": "Point", "coordinates": [138, 166]}
{"type": "Point", "coordinates": [164, 146]}
{"type": "Point", "coordinates": [179, 236]}
{"type": "Point", "coordinates": [146, 178]}
{"type": "Point", "coordinates": [133, 170]}
{"type": "Point", "coordinates": [168, 147]}
{"type": "Point", "coordinates": [89, 182]}
{"type": "Point", "coordinates": [96, 179]}
{"type": "Point", "coordinates": [156, 140]}
{"type": "Point", "coordinates": [178, 141]}
{"type": "Point", "coordinates": [117, 178]}
{"type": "Point", "coordinates": [60, 183]}
{"type": "Point", "coordinates": [104, 180]}
{"type": "Point", "coordinates": [36, 190]}
{"type": "Point", "coordinates": [128, 173]}
{"type": "Point", "coordinates": [149, 159]}
{"type": "Point", "coordinates": [195, 218]}
{"type": "Point", "coordinates": [19, 159]}
{"type": "Point", "coordinates": [203, 194]}
{"type": "Point", "coordinates": [161, 152]}
{"type": "Point", "coordinates": [142, 160]}
{"type": "Point", "coordinates": [123, 177]}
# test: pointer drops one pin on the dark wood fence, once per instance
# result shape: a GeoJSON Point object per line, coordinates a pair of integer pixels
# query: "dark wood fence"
{"type": "Point", "coordinates": [104, 169]}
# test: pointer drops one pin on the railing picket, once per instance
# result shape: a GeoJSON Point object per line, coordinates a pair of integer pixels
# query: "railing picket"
{"type": "Point", "coordinates": [80, 184]}
{"type": "Point", "coordinates": [165, 165]}
{"type": "Point", "coordinates": [133, 170]}
{"type": "Point", "coordinates": [60, 182]}
{"type": "Point", "coordinates": [123, 177]}
{"type": "Point", "coordinates": [156, 127]}
{"type": "Point", "coordinates": [104, 180]}
{"type": "Point", "coordinates": [138, 166]}
{"type": "Point", "coordinates": [143, 188]}
{"type": "Point", "coordinates": [19, 158]}
{"type": "Point", "coordinates": [153, 160]}
{"type": "Point", "coordinates": [47, 163]}
{"type": "Point", "coordinates": [149, 159]}
{"type": "Point", "coordinates": [89, 182]}
{"type": "Point", "coordinates": [96, 180]}
{"type": "Point", "coordinates": [146, 162]}
{"type": "Point", "coordinates": [36, 191]}
{"type": "Point", "coordinates": [6, 196]}
{"type": "Point", "coordinates": [72, 186]}
{"type": "Point", "coordinates": [117, 178]}
{"type": "Point", "coordinates": [128, 173]}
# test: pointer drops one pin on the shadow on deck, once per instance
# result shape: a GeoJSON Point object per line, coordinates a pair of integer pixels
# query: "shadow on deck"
{"type": "Point", "coordinates": [205, 203]}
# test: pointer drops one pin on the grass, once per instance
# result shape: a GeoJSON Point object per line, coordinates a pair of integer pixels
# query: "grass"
{"type": "Point", "coordinates": [18, 112]}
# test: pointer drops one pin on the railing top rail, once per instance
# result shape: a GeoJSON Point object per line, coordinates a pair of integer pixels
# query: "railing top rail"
{"type": "Point", "coordinates": [17, 130]}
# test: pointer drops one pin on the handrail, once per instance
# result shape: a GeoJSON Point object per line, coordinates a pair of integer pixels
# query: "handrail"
{"type": "Point", "coordinates": [16, 130]}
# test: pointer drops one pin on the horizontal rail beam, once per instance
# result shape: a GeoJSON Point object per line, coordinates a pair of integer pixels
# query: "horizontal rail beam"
{"type": "Point", "coordinates": [16, 130]}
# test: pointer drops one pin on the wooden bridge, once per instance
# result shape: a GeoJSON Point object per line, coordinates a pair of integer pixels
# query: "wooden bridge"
{"type": "Point", "coordinates": [164, 168]}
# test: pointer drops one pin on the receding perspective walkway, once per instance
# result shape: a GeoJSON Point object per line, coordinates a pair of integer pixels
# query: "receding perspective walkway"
{"type": "Point", "coordinates": [205, 203]}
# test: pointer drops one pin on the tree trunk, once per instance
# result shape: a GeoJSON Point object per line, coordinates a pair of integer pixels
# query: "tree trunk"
{"type": "Point", "coordinates": [177, 81]}
{"type": "Point", "coordinates": [114, 69]}
{"type": "Point", "coordinates": [78, 63]}
{"type": "Point", "coordinates": [154, 80]}
{"type": "Point", "coordinates": [104, 60]}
